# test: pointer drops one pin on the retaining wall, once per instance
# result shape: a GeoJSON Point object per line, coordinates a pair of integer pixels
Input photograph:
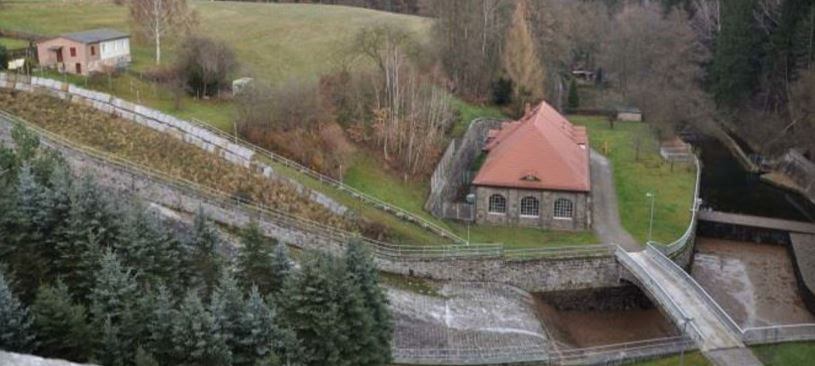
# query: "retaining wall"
{"type": "Point", "coordinates": [178, 128]}
{"type": "Point", "coordinates": [534, 275]}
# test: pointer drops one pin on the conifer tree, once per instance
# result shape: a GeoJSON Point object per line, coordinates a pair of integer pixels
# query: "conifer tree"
{"type": "Point", "coordinates": [60, 324]}
{"type": "Point", "coordinates": [254, 262]}
{"type": "Point", "coordinates": [112, 304]}
{"type": "Point", "coordinates": [309, 302]}
{"type": "Point", "coordinates": [112, 349]}
{"type": "Point", "coordinates": [15, 322]}
{"type": "Point", "coordinates": [227, 306]}
{"type": "Point", "coordinates": [160, 327]}
{"type": "Point", "coordinates": [26, 246]}
{"type": "Point", "coordinates": [144, 358]}
{"type": "Point", "coordinates": [142, 244]}
{"type": "Point", "coordinates": [736, 65]}
{"type": "Point", "coordinates": [363, 273]}
{"type": "Point", "coordinates": [259, 339]}
{"type": "Point", "coordinates": [195, 337]}
{"type": "Point", "coordinates": [574, 96]}
{"type": "Point", "coordinates": [204, 259]}
{"type": "Point", "coordinates": [281, 265]}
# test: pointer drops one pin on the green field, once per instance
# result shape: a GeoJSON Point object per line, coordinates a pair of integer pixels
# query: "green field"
{"type": "Point", "coordinates": [274, 42]}
{"type": "Point", "coordinates": [787, 354]}
{"type": "Point", "coordinates": [690, 359]}
{"type": "Point", "coordinates": [672, 186]}
{"type": "Point", "coordinates": [11, 43]}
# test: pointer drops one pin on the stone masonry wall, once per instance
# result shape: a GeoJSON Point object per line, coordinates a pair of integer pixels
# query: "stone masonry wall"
{"type": "Point", "coordinates": [531, 275]}
{"type": "Point", "coordinates": [546, 220]}
{"type": "Point", "coordinates": [178, 128]}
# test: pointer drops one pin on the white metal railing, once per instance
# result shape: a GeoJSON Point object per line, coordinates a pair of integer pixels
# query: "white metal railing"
{"type": "Point", "coordinates": [380, 249]}
{"type": "Point", "coordinates": [324, 179]}
{"type": "Point", "coordinates": [517, 355]}
{"type": "Point", "coordinates": [659, 292]}
{"type": "Point", "coordinates": [671, 266]}
{"type": "Point", "coordinates": [779, 334]}
{"type": "Point", "coordinates": [680, 243]}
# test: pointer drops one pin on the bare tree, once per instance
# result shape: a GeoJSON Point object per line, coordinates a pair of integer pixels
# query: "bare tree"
{"type": "Point", "coordinates": [657, 61]}
{"type": "Point", "coordinates": [154, 19]}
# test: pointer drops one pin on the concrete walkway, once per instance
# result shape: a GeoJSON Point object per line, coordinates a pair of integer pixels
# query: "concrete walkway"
{"type": "Point", "coordinates": [606, 216]}
{"type": "Point", "coordinates": [719, 342]}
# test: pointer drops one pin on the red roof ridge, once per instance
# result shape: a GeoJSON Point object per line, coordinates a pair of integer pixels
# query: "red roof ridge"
{"type": "Point", "coordinates": [543, 143]}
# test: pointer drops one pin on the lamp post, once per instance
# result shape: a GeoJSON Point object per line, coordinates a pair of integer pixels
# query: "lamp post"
{"type": "Point", "coordinates": [470, 200]}
{"type": "Point", "coordinates": [651, 221]}
{"type": "Point", "coordinates": [684, 331]}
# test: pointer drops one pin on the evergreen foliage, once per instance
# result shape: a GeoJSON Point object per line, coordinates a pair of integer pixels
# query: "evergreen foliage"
{"type": "Point", "coordinates": [205, 261]}
{"type": "Point", "coordinates": [60, 324]}
{"type": "Point", "coordinates": [736, 61]}
{"type": "Point", "coordinates": [15, 322]}
{"type": "Point", "coordinates": [196, 339]}
{"type": "Point", "coordinates": [90, 305]}
{"type": "Point", "coordinates": [574, 96]}
{"type": "Point", "coordinates": [255, 261]}
{"type": "Point", "coordinates": [361, 271]}
{"type": "Point", "coordinates": [112, 309]}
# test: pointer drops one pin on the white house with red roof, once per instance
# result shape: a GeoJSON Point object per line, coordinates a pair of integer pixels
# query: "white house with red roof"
{"type": "Point", "coordinates": [536, 173]}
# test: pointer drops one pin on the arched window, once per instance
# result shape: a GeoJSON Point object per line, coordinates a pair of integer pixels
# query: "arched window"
{"type": "Point", "coordinates": [564, 209]}
{"type": "Point", "coordinates": [530, 206]}
{"type": "Point", "coordinates": [498, 204]}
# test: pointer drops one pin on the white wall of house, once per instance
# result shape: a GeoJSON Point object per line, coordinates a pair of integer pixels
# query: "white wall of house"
{"type": "Point", "coordinates": [114, 48]}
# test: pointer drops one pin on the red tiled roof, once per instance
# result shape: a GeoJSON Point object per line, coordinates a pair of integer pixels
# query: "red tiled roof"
{"type": "Point", "coordinates": [542, 150]}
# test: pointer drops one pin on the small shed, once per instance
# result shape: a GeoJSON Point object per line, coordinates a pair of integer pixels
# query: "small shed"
{"type": "Point", "coordinates": [239, 85]}
{"type": "Point", "coordinates": [629, 114]}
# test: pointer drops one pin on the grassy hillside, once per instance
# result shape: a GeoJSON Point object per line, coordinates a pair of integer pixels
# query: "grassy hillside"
{"type": "Point", "coordinates": [274, 42]}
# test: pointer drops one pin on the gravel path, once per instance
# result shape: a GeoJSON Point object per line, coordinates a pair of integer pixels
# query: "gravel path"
{"type": "Point", "coordinates": [606, 215]}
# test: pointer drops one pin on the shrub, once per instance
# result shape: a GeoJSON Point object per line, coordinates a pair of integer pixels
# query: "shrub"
{"type": "Point", "coordinates": [204, 64]}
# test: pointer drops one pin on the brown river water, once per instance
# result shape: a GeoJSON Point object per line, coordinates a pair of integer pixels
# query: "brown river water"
{"type": "Point", "coordinates": [754, 283]}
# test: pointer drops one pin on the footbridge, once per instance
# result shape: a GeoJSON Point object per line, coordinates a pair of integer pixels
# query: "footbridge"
{"type": "Point", "coordinates": [688, 305]}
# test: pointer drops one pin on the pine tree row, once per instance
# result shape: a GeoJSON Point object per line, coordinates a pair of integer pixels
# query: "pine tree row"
{"type": "Point", "coordinates": [93, 276]}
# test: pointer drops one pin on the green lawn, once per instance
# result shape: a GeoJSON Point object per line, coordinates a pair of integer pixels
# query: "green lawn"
{"type": "Point", "coordinates": [367, 175]}
{"type": "Point", "coordinates": [691, 359]}
{"type": "Point", "coordinates": [786, 354]}
{"type": "Point", "coordinates": [673, 187]}
{"type": "Point", "coordinates": [11, 43]}
{"type": "Point", "coordinates": [467, 112]}
{"type": "Point", "coordinates": [274, 42]}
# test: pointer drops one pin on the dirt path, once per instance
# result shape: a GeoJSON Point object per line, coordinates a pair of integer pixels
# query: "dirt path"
{"type": "Point", "coordinates": [606, 215]}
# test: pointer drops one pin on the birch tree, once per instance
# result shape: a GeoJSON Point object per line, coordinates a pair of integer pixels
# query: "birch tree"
{"type": "Point", "coordinates": [520, 58]}
{"type": "Point", "coordinates": [155, 19]}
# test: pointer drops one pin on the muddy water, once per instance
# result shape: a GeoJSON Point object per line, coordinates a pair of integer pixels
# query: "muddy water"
{"type": "Point", "coordinates": [754, 283]}
{"type": "Point", "coordinates": [573, 328]}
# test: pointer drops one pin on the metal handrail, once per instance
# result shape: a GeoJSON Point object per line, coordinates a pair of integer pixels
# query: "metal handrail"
{"type": "Point", "coordinates": [673, 267]}
{"type": "Point", "coordinates": [680, 243]}
{"type": "Point", "coordinates": [779, 333]}
{"type": "Point", "coordinates": [661, 291]}
{"type": "Point", "coordinates": [380, 248]}
{"type": "Point", "coordinates": [376, 202]}
{"type": "Point", "coordinates": [511, 354]}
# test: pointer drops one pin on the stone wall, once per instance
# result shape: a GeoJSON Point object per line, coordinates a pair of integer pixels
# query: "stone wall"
{"type": "Point", "coordinates": [186, 131]}
{"type": "Point", "coordinates": [546, 219]}
{"type": "Point", "coordinates": [451, 173]}
{"type": "Point", "coordinates": [537, 275]}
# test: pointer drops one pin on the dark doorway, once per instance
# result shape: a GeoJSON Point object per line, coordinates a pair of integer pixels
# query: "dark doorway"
{"type": "Point", "coordinates": [78, 68]}
{"type": "Point", "coordinates": [59, 55]}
